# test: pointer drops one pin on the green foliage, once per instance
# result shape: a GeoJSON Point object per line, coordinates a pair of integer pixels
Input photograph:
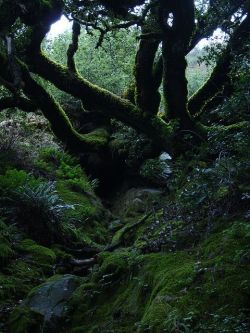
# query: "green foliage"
{"type": "Point", "coordinates": [156, 171]}
{"type": "Point", "coordinates": [110, 66]}
{"type": "Point", "coordinates": [125, 141]}
{"type": "Point", "coordinates": [39, 210]}
{"type": "Point", "coordinates": [57, 164]}
{"type": "Point", "coordinates": [51, 159]}
{"type": "Point", "coordinates": [13, 178]}
{"type": "Point", "coordinates": [24, 320]}
{"type": "Point", "coordinates": [197, 71]}
{"type": "Point", "coordinates": [40, 253]}
{"type": "Point", "coordinates": [6, 251]}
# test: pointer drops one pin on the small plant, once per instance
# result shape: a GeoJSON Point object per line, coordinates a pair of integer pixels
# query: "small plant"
{"type": "Point", "coordinates": [156, 171]}
{"type": "Point", "coordinates": [40, 211]}
{"type": "Point", "coordinates": [175, 324]}
{"type": "Point", "coordinates": [13, 178]}
{"type": "Point", "coordinates": [54, 163]}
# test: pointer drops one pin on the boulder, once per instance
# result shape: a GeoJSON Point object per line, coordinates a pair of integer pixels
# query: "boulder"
{"type": "Point", "coordinates": [50, 301]}
{"type": "Point", "coordinates": [136, 201]}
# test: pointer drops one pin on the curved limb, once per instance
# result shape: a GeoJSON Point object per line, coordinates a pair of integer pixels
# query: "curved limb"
{"type": "Point", "coordinates": [220, 75]}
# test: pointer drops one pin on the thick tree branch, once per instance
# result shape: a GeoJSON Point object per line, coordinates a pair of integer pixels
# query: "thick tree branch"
{"type": "Point", "coordinates": [100, 100]}
{"type": "Point", "coordinates": [17, 102]}
{"type": "Point", "coordinates": [220, 75]}
{"type": "Point", "coordinates": [59, 121]}
{"type": "Point", "coordinates": [214, 18]}
{"type": "Point", "coordinates": [93, 98]}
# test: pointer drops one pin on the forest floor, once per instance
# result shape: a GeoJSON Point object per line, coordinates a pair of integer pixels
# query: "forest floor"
{"type": "Point", "coordinates": [169, 257]}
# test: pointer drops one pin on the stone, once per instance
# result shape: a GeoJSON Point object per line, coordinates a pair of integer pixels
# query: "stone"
{"type": "Point", "coordinates": [136, 201]}
{"type": "Point", "coordinates": [165, 157]}
{"type": "Point", "coordinates": [50, 299]}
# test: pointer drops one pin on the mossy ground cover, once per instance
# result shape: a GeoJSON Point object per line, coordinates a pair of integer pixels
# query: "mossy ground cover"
{"type": "Point", "coordinates": [175, 272]}
{"type": "Point", "coordinates": [198, 286]}
{"type": "Point", "coordinates": [26, 263]}
{"type": "Point", "coordinates": [202, 289]}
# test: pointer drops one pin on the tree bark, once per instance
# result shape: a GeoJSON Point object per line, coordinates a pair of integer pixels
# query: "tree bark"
{"type": "Point", "coordinates": [100, 100]}
{"type": "Point", "coordinates": [17, 102]}
{"type": "Point", "coordinates": [147, 97]}
{"type": "Point", "coordinates": [175, 43]}
{"type": "Point", "coordinates": [59, 121]}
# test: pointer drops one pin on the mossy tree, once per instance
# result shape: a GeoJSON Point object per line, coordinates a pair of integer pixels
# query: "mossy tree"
{"type": "Point", "coordinates": [169, 31]}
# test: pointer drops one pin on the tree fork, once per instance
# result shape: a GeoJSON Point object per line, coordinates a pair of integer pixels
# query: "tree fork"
{"type": "Point", "coordinates": [100, 100]}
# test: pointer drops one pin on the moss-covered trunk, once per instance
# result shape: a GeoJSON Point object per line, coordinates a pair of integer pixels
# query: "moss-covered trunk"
{"type": "Point", "coordinates": [178, 24]}
{"type": "Point", "coordinates": [175, 83]}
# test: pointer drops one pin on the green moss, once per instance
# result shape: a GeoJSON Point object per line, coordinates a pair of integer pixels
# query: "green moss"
{"type": "Point", "coordinates": [88, 217]}
{"type": "Point", "coordinates": [6, 252]}
{"type": "Point", "coordinates": [18, 278]}
{"type": "Point", "coordinates": [185, 291]}
{"type": "Point", "coordinates": [116, 263]}
{"type": "Point", "coordinates": [61, 254]}
{"type": "Point", "coordinates": [39, 253]}
{"type": "Point", "coordinates": [13, 178]}
{"type": "Point", "coordinates": [99, 137]}
{"type": "Point", "coordinates": [84, 207]}
{"type": "Point", "coordinates": [8, 286]}
{"type": "Point", "coordinates": [24, 320]}
{"type": "Point", "coordinates": [26, 274]}
{"type": "Point", "coordinates": [23, 264]}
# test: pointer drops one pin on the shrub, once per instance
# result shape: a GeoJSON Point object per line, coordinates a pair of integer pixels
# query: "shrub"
{"type": "Point", "coordinates": [20, 138]}
{"type": "Point", "coordinates": [125, 141]}
{"type": "Point", "coordinates": [156, 171]}
{"type": "Point", "coordinates": [55, 163]}
{"type": "Point", "coordinates": [13, 179]}
{"type": "Point", "coordinates": [40, 211]}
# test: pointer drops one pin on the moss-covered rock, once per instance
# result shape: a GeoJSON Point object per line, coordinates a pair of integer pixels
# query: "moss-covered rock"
{"type": "Point", "coordinates": [136, 201]}
{"type": "Point", "coordinates": [45, 307]}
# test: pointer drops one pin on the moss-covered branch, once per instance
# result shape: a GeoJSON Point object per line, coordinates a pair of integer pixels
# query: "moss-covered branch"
{"type": "Point", "coordinates": [59, 121]}
{"type": "Point", "coordinates": [217, 14]}
{"type": "Point", "coordinates": [221, 73]}
{"type": "Point", "coordinates": [93, 98]}
{"type": "Point", "coordinates": [17, 102]}
{"type": "Point", "coordinates": [100, 100]}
